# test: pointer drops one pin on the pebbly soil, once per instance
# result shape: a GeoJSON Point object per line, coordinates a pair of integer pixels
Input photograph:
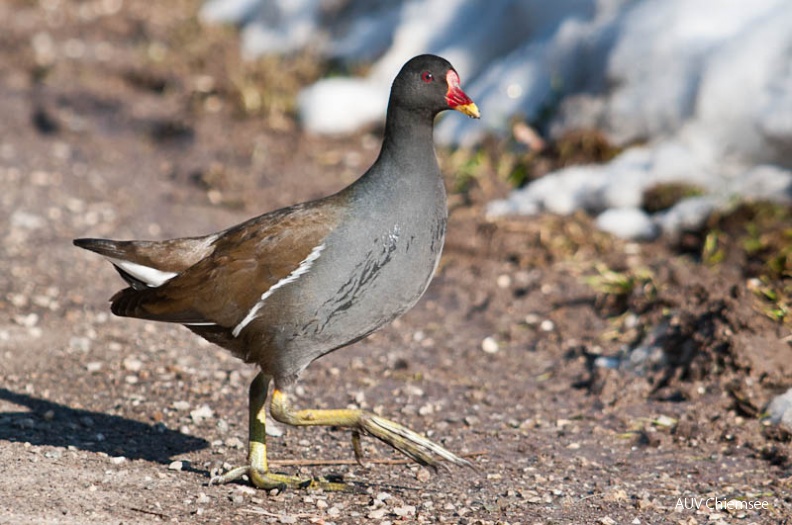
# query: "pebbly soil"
{"type": "Point", "coordinates": [130, 120]}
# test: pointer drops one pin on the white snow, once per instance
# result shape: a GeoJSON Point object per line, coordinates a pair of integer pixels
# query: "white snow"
{"type": "Point", "coordinates": [326, 107]}
{"type": "Point", "coordinates": [269, 26]}
{"type": "Point", "coordinates": [630, 223]}
{"type": "Point", "coordinates": [704, 85]}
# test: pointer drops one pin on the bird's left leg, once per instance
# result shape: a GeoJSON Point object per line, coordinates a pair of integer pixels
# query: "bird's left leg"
{"type": "Point", "coordinates": [257, 469]}
{"type": "Point", "coordinates": [409, 443]}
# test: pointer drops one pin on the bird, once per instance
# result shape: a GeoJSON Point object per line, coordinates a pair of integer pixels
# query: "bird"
{"type": "Point", "coordinates": [287, 287]}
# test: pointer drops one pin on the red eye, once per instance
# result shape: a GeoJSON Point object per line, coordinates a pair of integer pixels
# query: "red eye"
{"type": "Point", "coordinates": [427, 76]}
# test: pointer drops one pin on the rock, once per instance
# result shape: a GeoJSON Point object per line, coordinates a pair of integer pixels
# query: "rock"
{"type": "Point", "coordinates": [780, 409]}
{"type": "Point", "coordinates": [132, 364]}
{"type": "Point", "coordinates": [201, 413]}
{"type": "Point", "coordinates": [234, 442]}
{"type": "Point", "coordinates": [404, 511]}
{"type": "Point", "coordinates": [377, 514]}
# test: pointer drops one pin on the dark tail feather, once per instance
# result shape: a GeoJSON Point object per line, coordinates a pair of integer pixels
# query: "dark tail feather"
{"type": "Point", "coordinates": [151, 304]}
{"type": "Point", "coordinates": [100, 246]}
{"type": "Point", "coordinates": [110, 249]}
{"type": "Point", "coordinates": [127, 303]}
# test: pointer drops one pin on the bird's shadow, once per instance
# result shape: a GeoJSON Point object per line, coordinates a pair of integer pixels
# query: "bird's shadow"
{"type": "Point", "coordinates": [53, 424]}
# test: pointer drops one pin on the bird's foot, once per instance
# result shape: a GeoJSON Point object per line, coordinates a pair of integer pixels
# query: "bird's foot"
{"type": "Point", "coordinates": [268, 480]}
{"type": "Point", "coordinates": [409, 443]}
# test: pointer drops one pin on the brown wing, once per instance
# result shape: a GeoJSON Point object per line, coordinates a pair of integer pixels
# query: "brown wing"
{"type": "Point", "coordinates": [246, 261]}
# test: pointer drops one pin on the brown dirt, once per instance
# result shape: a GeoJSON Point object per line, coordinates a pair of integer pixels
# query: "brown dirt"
{"type": "Point", "coordinates": [129, 120]}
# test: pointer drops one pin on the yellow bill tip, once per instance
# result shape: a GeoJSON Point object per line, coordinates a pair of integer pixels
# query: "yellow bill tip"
{"type": "Point", "coordinates": [470, 109]}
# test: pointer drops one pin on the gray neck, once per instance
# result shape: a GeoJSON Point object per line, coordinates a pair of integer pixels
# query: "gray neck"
{"type": "Point", "coordinates": [408, 143]}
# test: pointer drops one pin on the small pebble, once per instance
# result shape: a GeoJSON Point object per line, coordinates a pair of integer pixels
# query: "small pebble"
{"type": "Point", "coordinates": [404, 510]}
{"type": "Point", "coordinates": [423, 475]}
{"type": "Point", "coordinates": [132, 364]}
{"type": "Point", "coordinates": [490, 345]}
{"type": "Point", "coordinates": [117, 460]}
{"type": "Point", "coordinates": [201, 413]}
{"type": "Point", "coordinates": [234, 442]}
{"type": "Point", "coordinates": [28, 321]}
{"type": "Point", "coordinates": [81, 344]}
{"type": "Point", "coordinates": [547, 325]}
{"type": "Point", "coordinates": [504, 281]}
{"type": "Point", "coordinates": [665, 421]}
{"type": "Point", "coordinates": [176, 465]}
{"type": "Point", "coordinates": [26, 422]}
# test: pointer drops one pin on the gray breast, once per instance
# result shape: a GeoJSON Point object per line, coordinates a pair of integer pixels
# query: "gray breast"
{"type": "Point", "coordinates": [376, 274]}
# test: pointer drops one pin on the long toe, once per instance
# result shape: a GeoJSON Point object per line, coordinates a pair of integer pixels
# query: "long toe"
{"type": "Point", "coordinates": [268, 480]}
{"type": "Point", "coordinates": [409, 443]}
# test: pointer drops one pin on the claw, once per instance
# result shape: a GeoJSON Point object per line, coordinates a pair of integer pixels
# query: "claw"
{"type": "Point", "coordinates": [358, 449]}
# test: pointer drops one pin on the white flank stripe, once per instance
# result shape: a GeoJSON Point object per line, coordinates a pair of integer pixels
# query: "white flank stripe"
{"type": "Point", "coordinates": [151, 276]}
{"type": "Point", "coordinates": [303, 268]}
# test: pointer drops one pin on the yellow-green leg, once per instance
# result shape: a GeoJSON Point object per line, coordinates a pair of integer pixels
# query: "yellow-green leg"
{"type": "Point", "coordinates": [409, 443]}
{"type": "Point", "coordinates": [257, 468]}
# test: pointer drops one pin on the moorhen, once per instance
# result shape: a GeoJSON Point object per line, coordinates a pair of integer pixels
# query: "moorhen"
{"type": "Point", "coordinates": [289, 286]}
